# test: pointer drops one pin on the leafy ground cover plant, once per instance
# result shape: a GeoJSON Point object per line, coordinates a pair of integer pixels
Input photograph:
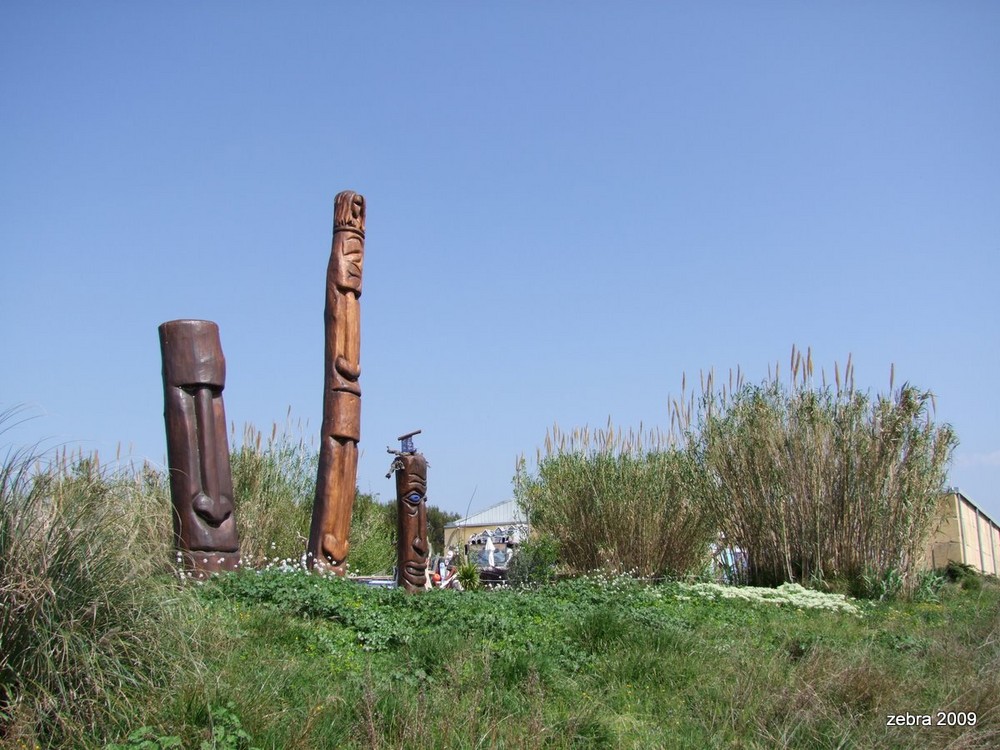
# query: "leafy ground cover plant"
{"type": "Point", "coordinates": [600, 661]}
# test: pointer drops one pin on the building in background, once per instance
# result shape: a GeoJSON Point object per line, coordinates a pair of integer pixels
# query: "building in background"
{"type": "Point", "coordinates": [964, 534]}
{"type": "Point", "coordinates": [504, 524]}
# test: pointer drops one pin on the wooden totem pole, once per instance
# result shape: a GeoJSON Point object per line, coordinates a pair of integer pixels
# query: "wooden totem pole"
{"type": "Point", "coordinates": [341, 430]}
{"type": "Point", "coordinates": [201, 482]}
{"type": "Point", "coordinates": [411, 514]}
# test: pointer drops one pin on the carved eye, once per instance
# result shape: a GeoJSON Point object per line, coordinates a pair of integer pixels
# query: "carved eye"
{"type": "Point", "coordinates": [413, 497]}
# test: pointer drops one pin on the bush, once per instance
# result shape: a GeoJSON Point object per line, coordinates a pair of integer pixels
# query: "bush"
{"type": "Point", "coordinates": [813, 483]}
{"type": "Point", "coordinates": [274, 482]}
{"type": "Point", "coordinates": [85, 628]}
{"type": "Point", "coordinates": [804, 483]}
{"type": "Point", "coordinates": [618, 503]}
{"type": "Point", "coordinates": [468, 576]}
{"type": "Point", "coordinates": [533, 561]}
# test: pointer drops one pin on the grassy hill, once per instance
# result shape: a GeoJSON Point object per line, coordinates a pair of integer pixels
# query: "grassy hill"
{"type": "Point", "coordinates": [288, 660]}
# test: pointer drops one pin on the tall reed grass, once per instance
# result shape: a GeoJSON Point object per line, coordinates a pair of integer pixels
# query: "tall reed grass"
{"type": "Point", "coordinates": [624, 501]}
{"type": "Point", "coordinates": [810, 481]}
{"type": "Point", "coordinates": [822, 481]}
{"type": "Point", "coordinates": [84, 622]}
{"type": "Point", "coordinates": [273, 480]}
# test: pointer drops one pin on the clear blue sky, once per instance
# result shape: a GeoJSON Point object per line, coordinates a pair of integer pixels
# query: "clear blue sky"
{"type": "Point", "coordinates": [569, 205]}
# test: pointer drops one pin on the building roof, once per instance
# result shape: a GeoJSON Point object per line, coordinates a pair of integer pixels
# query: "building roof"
{"type": "Point", "coordinates": [501, 514]}
{"type": "Point", "coordinates": [970, 503]}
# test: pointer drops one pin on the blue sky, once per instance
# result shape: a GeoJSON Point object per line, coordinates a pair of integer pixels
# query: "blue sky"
{"type": "Point", "coordinates": [569, 206]}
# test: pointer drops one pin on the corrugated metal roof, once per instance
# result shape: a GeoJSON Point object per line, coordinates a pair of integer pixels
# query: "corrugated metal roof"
{"type": "Point", "coordinates": [501, 514]}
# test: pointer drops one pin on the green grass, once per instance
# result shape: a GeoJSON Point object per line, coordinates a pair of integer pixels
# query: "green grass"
{"type": "Point", "coordinates": [88, 628]}
{"type": "Point", "coordinates": [102, 645]}
{"type": "Point", "coordinates": [305, 662]}
{"type": "Point", "coordinates": [817, 484]}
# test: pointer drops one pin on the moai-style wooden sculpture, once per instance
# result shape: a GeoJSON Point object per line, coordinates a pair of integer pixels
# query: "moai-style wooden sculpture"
{"type": "Point", "coordinates": [411, 514]}
{"type": "Point", "coordinates": [341, 430]}
{"type": "Point", "coordinates": [201, 482]}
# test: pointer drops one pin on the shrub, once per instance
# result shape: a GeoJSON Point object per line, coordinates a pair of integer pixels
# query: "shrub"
{"type": "Point", "coordinates": [84, 627]}
{"type": "Point", "coordinates": [928, 586]}
{"type": "Point", "coordinates": [816, 482]}
{"type": "Point", "coordinates": [274, 482]}
{"type": "Point", "coordinates": [802, 483]}
{"type": "Point", "coordinates": [373, 536]}
{"type": "Point", "coordinates": [534, 561]}
{"type": "Point", "coordinates": [468, 576]}
{"type": "Point", "coordinates": [623, 503]}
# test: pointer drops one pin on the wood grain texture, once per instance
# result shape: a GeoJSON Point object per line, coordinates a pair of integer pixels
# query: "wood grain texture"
{"type": "Point", "coordinates": [411, 521]}
{"type": "Point", "coordinates": [201, 482]}
{"type": "Point", "coordinates": [340, 433]}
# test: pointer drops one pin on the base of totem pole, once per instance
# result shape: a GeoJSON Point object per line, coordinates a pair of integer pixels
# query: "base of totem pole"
{"type": "Point", "coordinates": [324, 568]}
{"type": "Point", "coordinates": [201, 565]}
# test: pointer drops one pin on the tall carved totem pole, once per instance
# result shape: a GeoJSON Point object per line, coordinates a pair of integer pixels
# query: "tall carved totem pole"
{"type": "Point", "coordinates": [341, 430]}
{"type": "Point", "coordinates": [201, 482]}
{"type": "Point", "coordinates": [411, 514]}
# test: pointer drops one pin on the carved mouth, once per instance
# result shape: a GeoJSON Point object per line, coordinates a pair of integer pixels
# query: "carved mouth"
{"type": "Point", "coordinates": [413, 570]}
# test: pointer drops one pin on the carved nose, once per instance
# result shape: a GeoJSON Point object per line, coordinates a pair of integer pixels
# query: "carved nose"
{"type": "Point", "coordinates": [213, 511]}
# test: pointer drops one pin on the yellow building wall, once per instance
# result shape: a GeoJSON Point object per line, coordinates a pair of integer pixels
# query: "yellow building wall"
{"type": "Point", "coordinates": [994, 535]}
{"type": "Point", "coordinates": [458, 537]}
{"type": "Point", "coordinates": [964, 534]}
{"type": "Point", "coordinates": [986, 545]}
{"type": "Point", "coordinates": [945, 542]}
{"type": "Point", "coordinates": [970, 536]}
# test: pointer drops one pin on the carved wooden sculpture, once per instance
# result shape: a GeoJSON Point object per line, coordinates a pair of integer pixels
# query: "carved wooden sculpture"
{"type": "Point", "coordinates": [411, 514]}
{"type": "Point", "coordinates": [201, 483]}
{"type": "Point", "coordinates": [341, 430]}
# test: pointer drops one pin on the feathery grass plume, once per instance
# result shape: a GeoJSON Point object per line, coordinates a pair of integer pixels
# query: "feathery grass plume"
{"type": "Point", "coordinates": [818, 484]}
{"type": "Point", "coordinates": [625, 501]}
{"type": "Point", "coordinates": [85, 624]}
{"type": "Point", "coordinates": [273, 480]}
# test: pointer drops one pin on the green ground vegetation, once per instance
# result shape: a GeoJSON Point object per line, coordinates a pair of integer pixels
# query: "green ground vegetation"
{"type": "Point", "coordinates": [103, 648]}
{"type": "Point", "coordinates": [104, 645]}
{"type": "Point", "coordinates": [814, 482]}
{"type": "Point", "coordinates": [285, 659]}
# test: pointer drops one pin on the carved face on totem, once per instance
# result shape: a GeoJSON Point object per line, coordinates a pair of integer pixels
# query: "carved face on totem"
{"type": "Point", "coordinates": [194, 375]}
{"type": "Point", "coordinates": [414, 486]}
{"type": "Point", "coordinates": [411, 494]}
{"type": "Point", "coordinates": [349, 240]}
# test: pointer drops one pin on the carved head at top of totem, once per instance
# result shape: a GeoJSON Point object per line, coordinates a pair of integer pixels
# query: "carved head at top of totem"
{"type": "Point", "coordinates": [412, 546]}
{"type": "Point", "coordinates": [412, 489]}
{"type": "Point", "coordinates": [349, 240]}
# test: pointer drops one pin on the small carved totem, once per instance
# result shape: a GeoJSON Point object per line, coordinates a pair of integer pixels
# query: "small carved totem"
{"type": "Point", "coordinates": [341, 429]}
{"type": "Point", "coordinates": [411, 514]}
{"type": "Point", "coordinates": [201, 482]}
